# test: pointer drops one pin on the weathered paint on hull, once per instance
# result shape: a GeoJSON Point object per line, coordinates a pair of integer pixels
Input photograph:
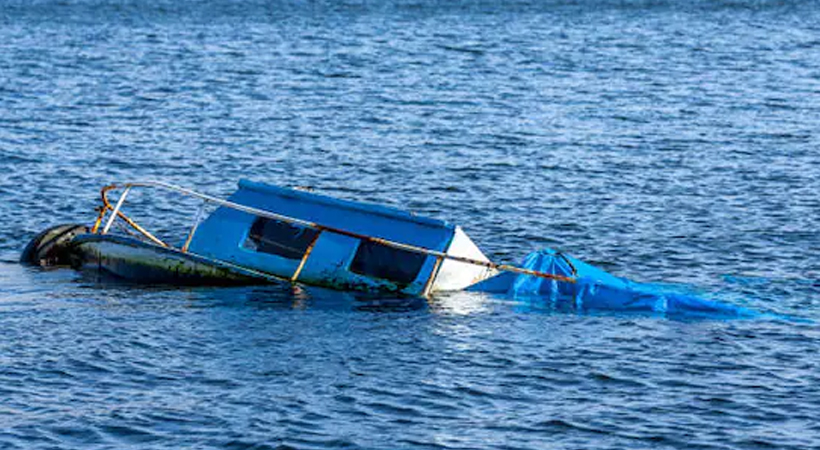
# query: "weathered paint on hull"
{"type": "Point", "coordinates": [142, 262]}
{"type": "Point", "coordinates": [137, 261]}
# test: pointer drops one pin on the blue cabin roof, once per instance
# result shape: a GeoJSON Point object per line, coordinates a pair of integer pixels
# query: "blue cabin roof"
{"type": "Point", "coordinates": [292, 202]}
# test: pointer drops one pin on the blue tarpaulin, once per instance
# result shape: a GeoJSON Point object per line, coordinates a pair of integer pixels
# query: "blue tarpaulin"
{"type": "Point", "coordinates": [597, 290]}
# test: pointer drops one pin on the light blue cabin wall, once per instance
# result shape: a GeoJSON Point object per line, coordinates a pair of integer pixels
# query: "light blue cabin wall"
{"type": "Point", "coordinates": [222, 234]}
{"type": "Point", "coordinates": [329, 261]}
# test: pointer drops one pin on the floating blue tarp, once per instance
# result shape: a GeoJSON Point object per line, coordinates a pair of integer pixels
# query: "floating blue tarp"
{"type": "Point", "coordinates": [597, 290]}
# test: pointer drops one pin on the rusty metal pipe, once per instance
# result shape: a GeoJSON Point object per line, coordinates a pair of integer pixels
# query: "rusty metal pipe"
{"type": "Point", "coordinates": [305, 258]}
{"type": "Point", "coordinates": [194, 227]}
{"type": "Point", "coordinates": [121, 215]}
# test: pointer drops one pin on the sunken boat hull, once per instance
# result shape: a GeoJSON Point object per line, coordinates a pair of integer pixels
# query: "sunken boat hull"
{"type": "Point", "coordinates": [269, 234]}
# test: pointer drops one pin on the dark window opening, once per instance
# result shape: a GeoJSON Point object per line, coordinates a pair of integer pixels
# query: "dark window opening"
{"type": "Point", "coordinates": [279, 238]}
{"type": "Point", "coordinates": [388, 263]}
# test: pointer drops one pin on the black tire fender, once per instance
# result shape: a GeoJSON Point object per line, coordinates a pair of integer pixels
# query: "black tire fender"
{"type": "Point", "coordinates": [52, 246]}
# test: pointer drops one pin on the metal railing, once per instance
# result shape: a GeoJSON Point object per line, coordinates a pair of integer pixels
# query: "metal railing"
{"type": "Point", "coordinates": [440, 256]}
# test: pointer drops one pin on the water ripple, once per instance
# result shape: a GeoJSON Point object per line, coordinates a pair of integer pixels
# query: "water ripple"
{"type": "Point", "coordinates": [663, 142]}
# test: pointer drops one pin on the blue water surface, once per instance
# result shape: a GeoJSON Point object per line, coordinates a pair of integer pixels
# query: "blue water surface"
{"type": "Point", "coordinates": [663, 141]}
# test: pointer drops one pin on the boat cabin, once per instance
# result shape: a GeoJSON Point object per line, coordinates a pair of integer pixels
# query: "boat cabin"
{"type": "Point", "coordinates": [336, 243]}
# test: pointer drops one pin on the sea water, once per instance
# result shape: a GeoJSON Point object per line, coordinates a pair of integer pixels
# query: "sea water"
{"type": "Point", "coordinates": [663, 141]}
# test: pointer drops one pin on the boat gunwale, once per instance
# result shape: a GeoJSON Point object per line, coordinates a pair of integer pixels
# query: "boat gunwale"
{"type": "Point", "coordinates": [194, 257]}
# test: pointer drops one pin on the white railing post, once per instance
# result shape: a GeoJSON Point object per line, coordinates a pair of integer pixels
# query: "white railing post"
{"type": "Point", "coordinates": [116, 210]}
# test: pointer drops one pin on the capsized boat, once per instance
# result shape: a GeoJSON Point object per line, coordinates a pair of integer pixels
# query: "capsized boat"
{"type": "Point", "coordinates": [268, 234]}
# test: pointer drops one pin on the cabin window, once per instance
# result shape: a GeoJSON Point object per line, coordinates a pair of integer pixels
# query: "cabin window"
{"type": "Point", "coordinates": [279, 238]}
{"type": "Point", "coordinates": [380, 261]}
